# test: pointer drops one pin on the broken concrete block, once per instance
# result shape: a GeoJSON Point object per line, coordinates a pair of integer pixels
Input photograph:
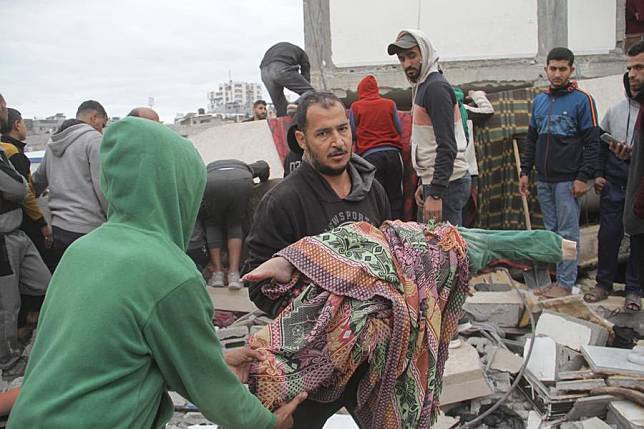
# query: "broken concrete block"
{"type": "Point", "coordinates": [575, 306]}
{"type": "Point", "coordinates": [570, 331]}
{"type": "Point", "coordinates": [503, 309]}
{"type": "Point", "coordinates": [609, 360]}
{"type": "Point", "coordinates": [227, 299]}
{"type": "Point", "coordinates": [505, 361]}
{"type": "Point", "coordinates": [625, 415]}
{"type": "Point", "coordinates": [593, 423]}
{"type": "Point", "coordinates": [463, 377]}
{"type": "Point", "coordinates": [483, 345]}
{"type": "Point", "coordinates": [549, 358]}
{"type": "Point", "coordinates": [534, 420]}
{"type": "Point", "coordinates": [543, 360]}
{"type": "Point", "coordinates": [590, 406]}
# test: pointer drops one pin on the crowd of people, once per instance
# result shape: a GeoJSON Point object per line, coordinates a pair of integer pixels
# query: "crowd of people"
{"type": "Point", "coordinates": [122, 313]}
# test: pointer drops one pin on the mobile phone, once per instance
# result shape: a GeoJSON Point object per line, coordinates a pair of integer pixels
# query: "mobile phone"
{"type": "Point", "coordinates": [609, 139]}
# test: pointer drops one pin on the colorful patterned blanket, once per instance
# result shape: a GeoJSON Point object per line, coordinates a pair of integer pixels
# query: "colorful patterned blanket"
{"type": "Point", "coordinates": [391, 297]}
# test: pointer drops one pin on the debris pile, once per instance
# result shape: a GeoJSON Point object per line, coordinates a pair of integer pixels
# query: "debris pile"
{"type": "Point", "coordinates": [517, 363]}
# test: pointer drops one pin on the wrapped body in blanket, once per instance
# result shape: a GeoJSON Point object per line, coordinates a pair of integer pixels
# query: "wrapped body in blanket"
{"type": "Point", "coordinates": [387, 297]}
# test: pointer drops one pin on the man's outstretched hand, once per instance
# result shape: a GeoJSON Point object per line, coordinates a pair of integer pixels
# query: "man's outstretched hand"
{"type": "Point", "coordinates": [278, 269]}
{"type": "Point", "coordinates": [284, 414]}
{"type": "Point", "coordinates": [239, 361]}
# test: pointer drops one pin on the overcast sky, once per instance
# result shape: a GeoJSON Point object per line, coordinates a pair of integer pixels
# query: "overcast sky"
{"type": "Point", "coordinates": [55, 54]}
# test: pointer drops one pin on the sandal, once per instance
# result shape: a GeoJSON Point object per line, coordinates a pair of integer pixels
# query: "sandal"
{"type": "Point", "coordinates": [632, 302]}
{"type": "Point", "coordinates": [596, 294]}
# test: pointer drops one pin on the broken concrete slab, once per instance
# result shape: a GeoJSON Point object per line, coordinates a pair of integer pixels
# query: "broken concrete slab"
{"type": "Point", "coordinates": [570, 331]}
{"type": "Point", "coordinates": [247, 141]}
{"type": "Point", "coordinates": [549, 358]}
{"type": "Point", "coordinates": [231, 300]}
{"type": "Point", "coordinates": [612, 361]}
{"type": "Point", "coordinates": [593, 423]}
{"type": "Point", "coordinates": [575, 306]}
{"type": "Point", "coordinates": [503, 309]}
{"type": "Point", "coordinates": [591, 406]}
{"type": "Point", "coordinates": [463, 377]}
{"type": "Point", "coordinates": [625, 415]}
{"type": "Point", "coordinates": [543, 360]}
{"type": "Point", "coordinates": [534, 420]}
{"type": "Point", "coordinates": [505, 361]}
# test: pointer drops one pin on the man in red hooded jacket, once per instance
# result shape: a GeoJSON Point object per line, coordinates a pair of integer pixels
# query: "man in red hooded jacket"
{"type": "Point", "coordinates": [376, 133]}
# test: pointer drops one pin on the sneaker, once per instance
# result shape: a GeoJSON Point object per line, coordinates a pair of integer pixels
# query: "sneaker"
{"type": "Point", "coordinates": [233, 280]}
{"type": "Point", "coordinates": [217, 279]}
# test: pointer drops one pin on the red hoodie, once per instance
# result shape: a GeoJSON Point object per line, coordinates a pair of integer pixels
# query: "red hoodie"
{"type": "Point", "coordinates": [373, 118]}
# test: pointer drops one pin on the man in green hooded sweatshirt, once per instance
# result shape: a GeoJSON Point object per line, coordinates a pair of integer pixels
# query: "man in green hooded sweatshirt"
{"type": "Point", "coordinates": [127, 316]}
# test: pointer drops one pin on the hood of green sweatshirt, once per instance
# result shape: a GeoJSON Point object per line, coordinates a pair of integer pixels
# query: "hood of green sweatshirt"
{"type": "Point", "coordinates": [153, 179]}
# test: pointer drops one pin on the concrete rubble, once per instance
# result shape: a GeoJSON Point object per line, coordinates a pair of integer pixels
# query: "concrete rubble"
{"type": "Point", "coordinates": [562, 385]}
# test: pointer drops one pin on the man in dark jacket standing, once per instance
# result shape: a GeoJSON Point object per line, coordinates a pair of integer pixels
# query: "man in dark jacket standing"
{"type": "Point", "coordinates": [376, 131]}
{"type": "Point", "coordinates": [279, 69]}
{"type": "Point", "coordinates": [563, 144]}
{"type": "Point", "coordinates": [619, 122]}
{"type": "Point", "coordinates": [332, 186]}
{"type": "Point", "coordinates": [634, 154]}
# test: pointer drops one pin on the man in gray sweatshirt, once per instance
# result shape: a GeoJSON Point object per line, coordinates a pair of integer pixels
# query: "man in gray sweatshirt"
{"type": "Point", "coordinates": [22, 271]}
{"type": "Point", "coordinates": [71, 170]}
{"type": "Point", "coordinates": [619, 121]}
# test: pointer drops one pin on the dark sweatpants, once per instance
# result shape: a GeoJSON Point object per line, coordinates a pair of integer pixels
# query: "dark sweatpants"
{"type": "Point", "coordinates": [62, 240]}
{"type": "Point", "coordinates": [276, 77]}
{"type": "Point", "coordinates": [313, 415]}
{"type": "Point", "coordinates": [226, 199]}
{"type": "Point", "coordinates": [389, 172]}
{"type": "Point", "coordinates": [611, 232]}
{"type": "Point", "coordinates": [637, 250]}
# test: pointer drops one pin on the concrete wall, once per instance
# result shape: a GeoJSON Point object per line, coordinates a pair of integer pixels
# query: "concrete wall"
{"type": "Point", "coordinates": [591, 26]}
{"type": "Point", "coordinates": [492, 43]}
{"type": "Point", "coordinates": [490, 29]}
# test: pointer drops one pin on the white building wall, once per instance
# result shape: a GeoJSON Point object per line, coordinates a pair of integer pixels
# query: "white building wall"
{"type": "Point", "coordinates": [591, 26]}
{"type": "Point", "coordinates": [461, 29]}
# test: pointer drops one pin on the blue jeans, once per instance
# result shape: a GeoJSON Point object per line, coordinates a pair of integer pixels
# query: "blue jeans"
{"type": "Point", "coordinates": [561, 212]}
{"type": "Point", "coordinates": [454, 199]}
{"type": "Point", "coordinates": [611, 232]}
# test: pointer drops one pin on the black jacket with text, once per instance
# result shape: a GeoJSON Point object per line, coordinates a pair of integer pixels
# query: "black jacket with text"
{"type": "Point", "coordinates": [304, 204]}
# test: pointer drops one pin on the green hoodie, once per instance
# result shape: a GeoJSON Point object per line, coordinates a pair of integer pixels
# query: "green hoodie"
{"type": "Point", "coordinates": [127, 315]}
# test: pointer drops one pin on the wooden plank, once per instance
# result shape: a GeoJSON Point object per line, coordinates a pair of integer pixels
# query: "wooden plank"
{"type": "Point", "coordinates": [579, 385]}
{"type": "Point", "coordinates": [636, 383]}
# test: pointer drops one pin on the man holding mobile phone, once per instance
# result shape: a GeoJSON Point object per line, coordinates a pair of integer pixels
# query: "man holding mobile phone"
{"type": "Point", "coordinates": [618, 126]}
{"type": "Point", "coordinates": [634, 156]}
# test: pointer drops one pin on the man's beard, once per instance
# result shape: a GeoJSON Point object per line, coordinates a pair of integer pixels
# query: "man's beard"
{"type": "Point", "coordinates": [326, 170]}
{"type": "Point", "coordinates": [414, 76]}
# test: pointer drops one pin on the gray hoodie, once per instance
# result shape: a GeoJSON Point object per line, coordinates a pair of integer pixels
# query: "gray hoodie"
{"type": "Point", "coordinates": [438, 139]}
{"type": "Point", "coordinates": [71, 170]}
{"type": "Point", "coordinates": [14, 190]}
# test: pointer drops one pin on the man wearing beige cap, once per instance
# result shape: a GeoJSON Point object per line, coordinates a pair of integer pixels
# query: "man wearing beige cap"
{"type": "Point", "coordinates": [437, 138]}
